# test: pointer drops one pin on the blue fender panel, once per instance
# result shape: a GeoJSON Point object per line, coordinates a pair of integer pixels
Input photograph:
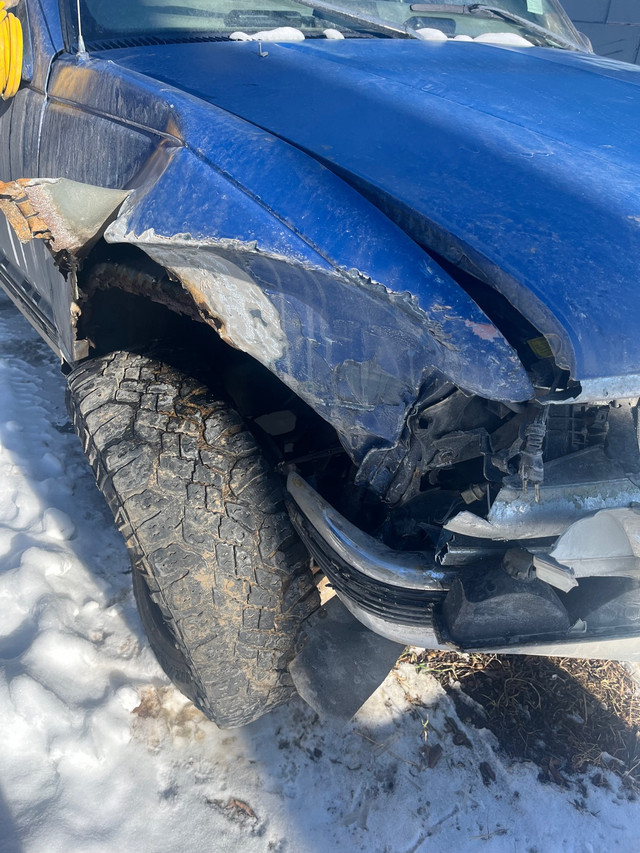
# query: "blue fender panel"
{"type": "Point", "coordinates": [521, 164]}
{"type": "Point", "coordinates": [217, 178]}
{"type": "Point", "coordinates": [357, 351]}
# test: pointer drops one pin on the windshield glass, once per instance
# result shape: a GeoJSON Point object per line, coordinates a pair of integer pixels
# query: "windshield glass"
{"type": "Point", "coordinates": [512, 21]}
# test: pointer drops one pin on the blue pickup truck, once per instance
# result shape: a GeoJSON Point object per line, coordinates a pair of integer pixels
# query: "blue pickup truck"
{"type": "Point", "coordinates": [347, 297]}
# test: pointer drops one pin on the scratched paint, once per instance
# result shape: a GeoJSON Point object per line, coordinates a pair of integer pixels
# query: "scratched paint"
{"type": "Point", "coordinates": [485, 331]}
{"type": "Point", "coordinates": [245, 316]}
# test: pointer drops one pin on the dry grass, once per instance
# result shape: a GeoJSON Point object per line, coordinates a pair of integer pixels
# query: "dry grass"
{"type": "Point", "coordinates": [567, 715]}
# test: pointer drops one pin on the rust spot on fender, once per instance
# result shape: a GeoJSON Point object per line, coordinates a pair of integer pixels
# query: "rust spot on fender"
{"type": "Point", "coordinates": [68, 215]}
{"type": "Point", "coordinates": [17, 206]}
{"type": "Point", "coordinates": [226, 297]}
{"type": "Point", "coordinates": [204, 309]}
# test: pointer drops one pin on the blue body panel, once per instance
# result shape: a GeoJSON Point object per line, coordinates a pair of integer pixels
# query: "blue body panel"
{"type": "Point", "coordinates": [479, 153]}
{"type": "Point", "coordinates": [352, 314]}
{"type": "Point", "coordinates": [295, 196]}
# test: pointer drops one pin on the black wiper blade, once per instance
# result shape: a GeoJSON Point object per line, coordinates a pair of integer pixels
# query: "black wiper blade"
{"type": "Point", "coordinates": [370, 22]}
{"type": "Point", "coordinates": [543, 32]}
{"type": "Point", "coordinates": [446, 8]}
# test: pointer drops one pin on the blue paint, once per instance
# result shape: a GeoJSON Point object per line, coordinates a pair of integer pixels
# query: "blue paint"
{"type": "Point", "coordinates": [525, 160]}
{"type": "Point", "coordinates": [244, 178]}
{"type": "Point", "coordinates": [326, 169]}
{"type": "Point", "coordinates": [357, 352]}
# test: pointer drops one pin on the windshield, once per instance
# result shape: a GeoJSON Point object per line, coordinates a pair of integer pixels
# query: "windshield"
{"type": "Point", "coordinates": [509, 21]}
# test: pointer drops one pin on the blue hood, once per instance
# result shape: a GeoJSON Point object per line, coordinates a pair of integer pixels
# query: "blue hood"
{"type": "Point", "coordinates": [522, 165]}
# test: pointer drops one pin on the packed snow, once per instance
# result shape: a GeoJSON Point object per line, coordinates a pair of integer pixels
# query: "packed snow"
{"type": "Point", "coordinates": [282, 35]}
{"type": "Point", "coordinates": [285, 35]}
{"type": "Point", "coordinates": [279, 34]}
{"type": "Point", "coordinates": [505, 39]}
{"type": "Point", "coordinates": [100, 753]}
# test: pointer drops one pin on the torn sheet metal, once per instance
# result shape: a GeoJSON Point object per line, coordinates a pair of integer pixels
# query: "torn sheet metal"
{"type": "Point", "coordinates": [576, 486]}
{"type": "Point", "coordinates": [294, 296]}
{"type": "Point", "coordinates": [47, 219]}
{"type": "Point", "coordinates": [362, 378]}
{"type": "Point", "coordinates": [67, 214]}
{"type": "Point", "coordinates": [226, 295]}
{"type": "Point", "coordinates": [356, 377]}
{"type": "Point", "coordinates": [257, 215]}
{"type": "Point", "coordinates": [17, 206]}
{"type": "Point", "coordinates": [604, 545]}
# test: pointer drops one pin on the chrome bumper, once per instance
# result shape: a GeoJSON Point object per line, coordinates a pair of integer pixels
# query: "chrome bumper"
{"type": "Point", "coordinates": [399, 594]}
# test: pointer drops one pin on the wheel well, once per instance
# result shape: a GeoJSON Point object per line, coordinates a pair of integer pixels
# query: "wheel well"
{"type": "Point", "coordinates": [128, 302]}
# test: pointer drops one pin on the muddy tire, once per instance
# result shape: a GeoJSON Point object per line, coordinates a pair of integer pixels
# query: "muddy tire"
{"type": "Point", "coordinates": [221, 580]}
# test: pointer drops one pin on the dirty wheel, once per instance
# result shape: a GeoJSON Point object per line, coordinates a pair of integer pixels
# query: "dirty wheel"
{"type": "Point", "coordinates": [221, 580]}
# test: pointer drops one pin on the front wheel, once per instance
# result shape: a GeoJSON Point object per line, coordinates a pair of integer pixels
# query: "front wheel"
{"type": "Point", "coordinates": [221, 580]}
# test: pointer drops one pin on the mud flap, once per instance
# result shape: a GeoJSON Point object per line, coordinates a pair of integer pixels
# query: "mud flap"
{"type": "Point", "coordinates": [341, 664]}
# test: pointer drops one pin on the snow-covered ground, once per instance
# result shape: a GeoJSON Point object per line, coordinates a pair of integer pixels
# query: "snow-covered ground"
{"type": "Point", "coordinates": [99, 753]}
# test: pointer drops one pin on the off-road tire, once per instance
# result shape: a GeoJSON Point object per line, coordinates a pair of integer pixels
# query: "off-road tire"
{"type": "Point", "coordinates": [221, 579]}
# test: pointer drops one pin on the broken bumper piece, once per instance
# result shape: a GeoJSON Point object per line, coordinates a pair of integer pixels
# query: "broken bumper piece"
{"type": "Point", "coordinates": [392, 593]}
{"type": "Point", "coordinates": [413, 598]}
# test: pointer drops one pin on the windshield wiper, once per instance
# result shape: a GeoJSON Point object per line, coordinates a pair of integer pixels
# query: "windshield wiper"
{"type": "Point", "coordinates": [373, 24]}
{"type": "Point", "coordinates": [543, 32]}
{"type": "Point", "coordinates": [482, 10]}
{"type": "Point", "coordinates": [447, 8]}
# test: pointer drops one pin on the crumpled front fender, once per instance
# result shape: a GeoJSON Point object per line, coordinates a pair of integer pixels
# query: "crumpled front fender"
{"type": "Point", "coordinates": [292, 265]}
{"type": "Point", "coordinates": [356, 342]}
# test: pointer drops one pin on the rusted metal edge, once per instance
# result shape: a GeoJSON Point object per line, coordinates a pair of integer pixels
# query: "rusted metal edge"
{"type": "Point", "coordinates": [16, 205]}
{"type": "Point", "coordinates": [66, 214]}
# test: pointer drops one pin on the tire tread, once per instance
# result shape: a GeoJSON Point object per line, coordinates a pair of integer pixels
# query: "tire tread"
{"type": "Point", "coordinates": [206, 527]}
